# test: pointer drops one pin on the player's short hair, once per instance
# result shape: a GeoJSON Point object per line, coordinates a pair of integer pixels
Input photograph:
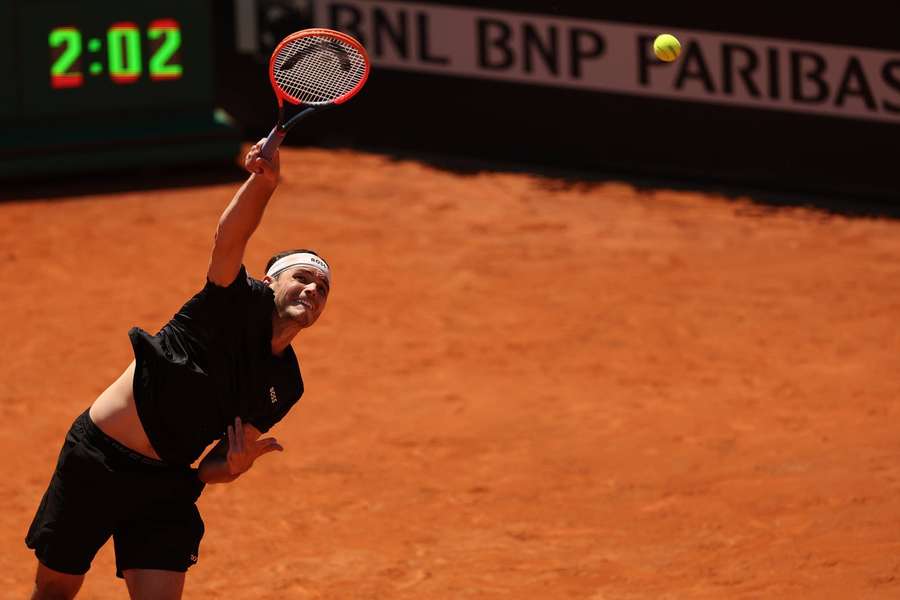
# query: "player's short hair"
{"type": "Point", "coordinates": [284, 253]}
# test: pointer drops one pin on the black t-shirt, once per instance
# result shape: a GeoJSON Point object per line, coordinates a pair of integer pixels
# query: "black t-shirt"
{"type": "Point", "coordinates": [211, 363]}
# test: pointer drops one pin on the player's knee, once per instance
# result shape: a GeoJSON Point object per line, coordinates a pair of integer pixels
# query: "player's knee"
{"type": "Point", "coordinates": [49, 585]}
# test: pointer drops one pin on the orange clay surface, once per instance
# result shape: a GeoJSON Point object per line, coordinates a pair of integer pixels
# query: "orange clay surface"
{"type": "Point", "coordinates": [522, 387]}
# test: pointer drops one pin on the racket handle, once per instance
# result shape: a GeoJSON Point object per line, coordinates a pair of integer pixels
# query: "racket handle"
{"type": "Point", "coordinates": [272, 142]}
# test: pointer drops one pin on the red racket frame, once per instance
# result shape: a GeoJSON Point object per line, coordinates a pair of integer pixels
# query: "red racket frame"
{"type": "Point", "coordinates": [343, 37]}
{"type": "Point", "coordinates": [278, 133]}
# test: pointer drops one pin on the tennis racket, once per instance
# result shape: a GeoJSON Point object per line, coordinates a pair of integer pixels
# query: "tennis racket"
{"type": "Point", "coordinates": [317, 68]}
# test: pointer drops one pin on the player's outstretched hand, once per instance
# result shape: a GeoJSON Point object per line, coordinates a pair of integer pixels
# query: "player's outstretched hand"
{"type": "Point", "coordinates": [244, 448]}
{"type": "Point", "coordinates": [256, 164]}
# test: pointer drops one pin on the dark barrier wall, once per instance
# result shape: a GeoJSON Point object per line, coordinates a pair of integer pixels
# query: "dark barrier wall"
{"type": "Point", "coordinates": [796, 98]}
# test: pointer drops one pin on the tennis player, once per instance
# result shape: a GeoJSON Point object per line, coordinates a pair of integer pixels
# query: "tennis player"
{"type": "Point", "coordinates": [221, 369]}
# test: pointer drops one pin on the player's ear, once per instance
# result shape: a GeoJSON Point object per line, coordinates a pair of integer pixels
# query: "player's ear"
{"type": "Point", "coordinates": [267, 280]}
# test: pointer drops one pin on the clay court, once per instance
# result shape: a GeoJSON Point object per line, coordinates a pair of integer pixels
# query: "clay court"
{"type": "Point", "coordinates": [523, 387]}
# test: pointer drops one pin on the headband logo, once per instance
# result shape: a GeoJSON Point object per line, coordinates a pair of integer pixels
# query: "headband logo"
{"type": "Point", "coordinates": [299, 259]}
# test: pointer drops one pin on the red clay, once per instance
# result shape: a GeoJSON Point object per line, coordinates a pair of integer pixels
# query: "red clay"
{"type": "Point", "coordinates": [519, 389]}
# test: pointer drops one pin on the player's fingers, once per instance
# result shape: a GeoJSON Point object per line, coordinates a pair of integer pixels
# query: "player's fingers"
{"type": "Point", "coordinates": [255, 149]}
{"type": "Point", "coordinates": [230, 438]}
{"type": "Point", "coordinates": [254, 152]}
{"type": "Point", "coordinates": [239, 434]}
{"type": "Point", "coordinates": [250, 164]}
{"type": "Point", "coordinates": [268, 445]}
{"type": "Point", "coordinates": [268, 164]}
{"type": "Point", "coordinates": [262, 166]}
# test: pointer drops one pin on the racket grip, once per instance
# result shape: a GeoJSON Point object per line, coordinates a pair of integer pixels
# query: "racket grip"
{"type": "Point", "coordinates": [272, 142]}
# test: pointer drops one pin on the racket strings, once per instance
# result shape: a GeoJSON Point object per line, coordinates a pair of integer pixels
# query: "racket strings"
{"type": "Point", "coordinates": [318, 69]}
{"type": "Point", "coordinates": [322, 84]}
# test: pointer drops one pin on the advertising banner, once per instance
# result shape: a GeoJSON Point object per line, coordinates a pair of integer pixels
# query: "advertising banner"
{"type": "Point", "coordinates": [595, 55]}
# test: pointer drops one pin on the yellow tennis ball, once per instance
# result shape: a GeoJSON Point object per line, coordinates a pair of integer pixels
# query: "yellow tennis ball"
{"type": "Point", "coordinates": [666, 47]}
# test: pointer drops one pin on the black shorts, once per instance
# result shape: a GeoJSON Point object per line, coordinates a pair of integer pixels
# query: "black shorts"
{"type": "Point", "coordinates": [100, 489]}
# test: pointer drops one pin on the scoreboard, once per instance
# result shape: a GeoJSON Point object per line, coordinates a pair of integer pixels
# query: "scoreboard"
{"type": "Point", "coordinates": [116, 64]}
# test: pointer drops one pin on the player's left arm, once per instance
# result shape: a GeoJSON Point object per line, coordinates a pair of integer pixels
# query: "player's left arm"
{"type": "Point", "coordinates": [242, 216]}
{"type": "Point", "coordinates": [235, 453]}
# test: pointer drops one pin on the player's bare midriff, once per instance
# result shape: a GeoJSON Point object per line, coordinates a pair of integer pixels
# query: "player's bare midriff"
{"type": "Point", "coordinates": [115, 413]}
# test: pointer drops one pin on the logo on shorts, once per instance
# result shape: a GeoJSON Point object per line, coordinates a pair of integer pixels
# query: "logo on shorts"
{"type": "Point", "coordinates": [272, 395]}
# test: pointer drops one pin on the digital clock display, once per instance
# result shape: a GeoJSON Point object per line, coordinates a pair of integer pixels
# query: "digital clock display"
{"type": "Point", "coordinates": [125, 44]}
{"type": "Point", "coordinates": [98, 55]}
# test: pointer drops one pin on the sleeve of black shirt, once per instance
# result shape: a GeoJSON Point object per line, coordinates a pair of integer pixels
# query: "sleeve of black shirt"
{"type": "Point", "coordinates": [238, 291]}
{"type": "Point", "coordinates": [265, 422]}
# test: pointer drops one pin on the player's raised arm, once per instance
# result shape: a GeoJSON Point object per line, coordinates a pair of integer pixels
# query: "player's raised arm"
{"type": "Point", "coordinates": [315, 68]}
{"type": "Point", "coordinates": [242, 216]}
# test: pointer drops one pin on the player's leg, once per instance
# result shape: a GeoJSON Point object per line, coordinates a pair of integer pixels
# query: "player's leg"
{"type": "Point", "coordinates": [74, 518]}
{"type": "Point", "coordinates": [53, 585]}
{"type": "Point", "coordinates": [152, 584]}
{"type": "Point", "coordinates": [160, 540]}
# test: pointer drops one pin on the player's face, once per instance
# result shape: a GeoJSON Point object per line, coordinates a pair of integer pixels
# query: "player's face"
{"type": "Point", "coordinates": [300, 294]}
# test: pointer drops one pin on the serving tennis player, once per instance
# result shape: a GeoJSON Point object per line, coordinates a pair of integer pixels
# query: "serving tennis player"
{"type": "Point", "coordinates": [221, 370]}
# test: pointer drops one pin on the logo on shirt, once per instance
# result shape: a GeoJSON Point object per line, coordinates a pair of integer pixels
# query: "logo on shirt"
{"type": "Point", "coordinates": [272, 395]}
{"type": "Point", "coordinates": [194, 558]}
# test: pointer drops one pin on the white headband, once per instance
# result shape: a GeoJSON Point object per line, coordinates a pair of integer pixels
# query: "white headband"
{"type": "Point", "coordinates": [297, 260]}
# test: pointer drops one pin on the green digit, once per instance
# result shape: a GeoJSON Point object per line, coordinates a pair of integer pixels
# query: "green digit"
{"type": "Point", "coordinates": [124, 42]}
{"type": "Point", "coordinates": [159, 62]}
{"type": "Point", "coordinates": [71, 39]}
